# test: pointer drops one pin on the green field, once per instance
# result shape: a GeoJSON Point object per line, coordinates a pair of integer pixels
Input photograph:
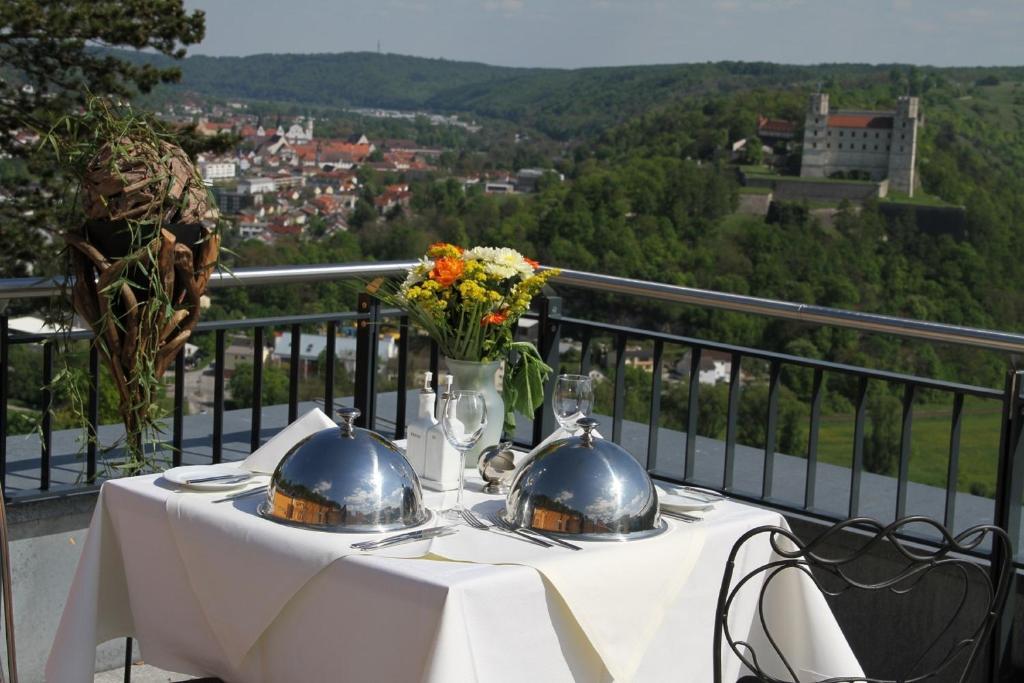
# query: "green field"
{"type": "Point", "coordinates": [979, 444]}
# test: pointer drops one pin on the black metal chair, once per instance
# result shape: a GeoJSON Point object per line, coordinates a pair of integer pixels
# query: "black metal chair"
{"type": "Point", "coordinates": [832, 576]}
{"type": "Point", "coordinates": [5, 580]}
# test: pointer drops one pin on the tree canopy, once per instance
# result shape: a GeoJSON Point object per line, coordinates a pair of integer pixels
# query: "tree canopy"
{"type": "Point", "coordinates": [49, 63]}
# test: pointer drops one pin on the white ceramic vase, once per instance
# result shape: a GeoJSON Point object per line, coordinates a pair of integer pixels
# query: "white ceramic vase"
{"type": "Point", "coordinates": [475, 376]}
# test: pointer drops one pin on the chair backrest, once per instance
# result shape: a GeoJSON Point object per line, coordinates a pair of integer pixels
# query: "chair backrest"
{"type": "Point", "coordinates": [834, 575]}
{"type": "Point", "coordinates": [5, 583]}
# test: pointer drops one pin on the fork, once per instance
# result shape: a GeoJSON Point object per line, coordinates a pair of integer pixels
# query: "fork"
{"type": "Point", "coordinates": [243, 494]}
{"type": "Point", "coordinates": [474, 521]}
{"type": "Point", "coordinates": [500, 521]}
{"type": "Point", "coordinates": [682, 516]}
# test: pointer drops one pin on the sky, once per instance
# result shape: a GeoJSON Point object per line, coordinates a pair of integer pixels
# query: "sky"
{"type": "Point", "coordinates": [581, 33]}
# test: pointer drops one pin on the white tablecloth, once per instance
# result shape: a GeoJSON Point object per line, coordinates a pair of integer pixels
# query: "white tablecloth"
{"type": "Point", "coordinates": [216, 590]}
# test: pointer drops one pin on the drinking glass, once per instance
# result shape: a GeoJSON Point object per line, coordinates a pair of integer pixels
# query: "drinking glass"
{"type": "Point", "coordinates": [573, 399]}
{"type": "Point", "coordinates": [463, 419]}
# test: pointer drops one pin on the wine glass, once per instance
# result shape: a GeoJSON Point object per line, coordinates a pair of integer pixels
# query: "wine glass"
{"type": "Point", "coordinates": [463, 419]}
{"type": "Point", "coordinates": [573, 399]}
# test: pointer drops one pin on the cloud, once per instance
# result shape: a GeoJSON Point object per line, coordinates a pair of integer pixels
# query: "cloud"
{"type": "Point", "coordinates": [730, 6]}
{"type": "Point", "coordinates": [970, 15]}
{"type": "Point", "coordinates": [564, 496]}
{"type": "Point", "coordinates": [506, 6]}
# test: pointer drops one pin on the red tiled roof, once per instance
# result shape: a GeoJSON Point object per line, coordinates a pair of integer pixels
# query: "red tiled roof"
{"type": "Point", "coordinates": [775, 125]}
{"type": "Point", "coordinates": [859, 121]}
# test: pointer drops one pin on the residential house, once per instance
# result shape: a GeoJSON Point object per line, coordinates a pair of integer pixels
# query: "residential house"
{"type": "Point", "coordinates": [313, 346]}
{"type": "Point", "coordinates": [715, 367]}
{"type": "Point", "coordinates": [240, 351]}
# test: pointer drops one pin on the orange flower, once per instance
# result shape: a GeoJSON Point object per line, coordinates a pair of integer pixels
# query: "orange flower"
{"type": "Point", "coordinates": [494, 318]}
{"type": "Point", "coordinates": [447, 270]}
{"type": "Point", "coordinates": [535, 264]}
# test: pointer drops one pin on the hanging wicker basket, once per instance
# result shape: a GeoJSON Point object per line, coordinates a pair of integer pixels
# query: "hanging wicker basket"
{"type": "Point", "coordinates": [141, 263]}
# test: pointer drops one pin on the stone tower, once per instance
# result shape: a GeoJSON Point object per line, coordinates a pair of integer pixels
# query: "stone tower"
{"type": "Point", "coordinates": [903, 154]}
{"type": "Point", "coordinates": [816, 158]}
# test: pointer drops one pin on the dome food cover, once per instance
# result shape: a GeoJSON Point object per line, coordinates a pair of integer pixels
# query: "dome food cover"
{"type": "Point", "coordinates": [345, 479]}
{"type": "Point", "coordinates": [586, 487]}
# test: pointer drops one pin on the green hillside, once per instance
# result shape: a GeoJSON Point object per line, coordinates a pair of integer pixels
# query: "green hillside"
{"type": "Point", "coordinates": [559, 102]}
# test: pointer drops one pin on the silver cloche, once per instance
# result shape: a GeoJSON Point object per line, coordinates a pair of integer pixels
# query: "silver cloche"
{"type": "Point", "coordinates": [345, 479]}
{"type": "Point", "coordinates": [586, 487]}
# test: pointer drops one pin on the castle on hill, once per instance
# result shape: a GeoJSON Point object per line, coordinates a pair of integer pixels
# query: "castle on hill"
{"type": "Point", "coordinates": [876, 145]}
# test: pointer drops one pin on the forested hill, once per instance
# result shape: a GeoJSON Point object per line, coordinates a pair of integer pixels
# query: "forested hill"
{"type": "Point", "coordinates": [560, 102]}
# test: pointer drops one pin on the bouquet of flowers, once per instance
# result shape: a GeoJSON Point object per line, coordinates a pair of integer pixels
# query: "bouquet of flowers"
{"type": "Point", "coordinates": [468, 301]}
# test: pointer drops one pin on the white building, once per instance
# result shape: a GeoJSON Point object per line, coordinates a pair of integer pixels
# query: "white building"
{"type": "Point", "coordinates": [296, 133]}
{"type": "Point", "coordinates": [218, 170]}
{"type": "Point", "coordinates": [880, 144]}
{"type": "Point", "coordinates": [256, 185]}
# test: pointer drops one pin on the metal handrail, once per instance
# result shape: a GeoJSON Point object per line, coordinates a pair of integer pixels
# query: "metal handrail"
{"type": "Point", "coordinates": [992, 340]}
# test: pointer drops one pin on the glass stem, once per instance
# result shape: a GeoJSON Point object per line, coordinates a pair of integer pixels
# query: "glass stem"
{"type": "Point", "coordinates": [462, 479]}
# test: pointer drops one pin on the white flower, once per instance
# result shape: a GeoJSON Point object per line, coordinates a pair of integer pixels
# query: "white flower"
{"type": "Point", "coordinates": [501, 261]}
{"type": "Point", "coordinates": [417, 273]}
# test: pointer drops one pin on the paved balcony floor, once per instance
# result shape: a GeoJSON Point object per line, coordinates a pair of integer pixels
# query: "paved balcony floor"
{"type": "Point", "coordinates": [141, 673]}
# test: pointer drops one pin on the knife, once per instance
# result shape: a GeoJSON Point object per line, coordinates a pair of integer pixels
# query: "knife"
{"type": "Point", "coordinates": [407, 537]}
{"type": "Point", "coordinates": [220, 477]}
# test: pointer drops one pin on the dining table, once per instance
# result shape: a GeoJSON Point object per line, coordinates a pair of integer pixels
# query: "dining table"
{"type": "Point", "coordinates": [209, 587]}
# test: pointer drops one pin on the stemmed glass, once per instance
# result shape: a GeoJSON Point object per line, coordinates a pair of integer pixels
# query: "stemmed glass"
{"type": "Point", "coordinates": [573, 399]}
{"type": "Point", "coordinates": [463, 419]}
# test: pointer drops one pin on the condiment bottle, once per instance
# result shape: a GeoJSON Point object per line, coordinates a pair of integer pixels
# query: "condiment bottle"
{"type": "Point", "coordinates": [441, 469]}
{"type": "Point", "coordinates": [416, 430]}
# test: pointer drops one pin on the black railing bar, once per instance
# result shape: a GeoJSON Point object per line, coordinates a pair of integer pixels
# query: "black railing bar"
{"type": "Point", "coordinates": [820, 315]}
{"type": "Point", "coordinates": [218, 396]}
{"type": "Point", "coordinates": [93, 413]}
{"type": "Point", "coordinates": [811, 477]}
{"type": "Point", "coordinates": [903, 471]}
{"type": "Point", "coordinates": [693, 396]}
{"type": "Point", "coordinates": [256, 410]}
{"type": "Point", "coordinates": [4, 339]}
{"type": "Point", "coordinates": [786, 359]}
{"type": "Point", "coordinates": [857, 462]}
{"type": "Point", "coordinates": [586, 351]}
{"type": "Point", "coordinates": [46, 443]}
{"type": "Point", "coordinates": [403, 376]}
{"type": "Point", "coordinates": [331, 358]}
{"type": "Point", "coordinates": [178, 432]}
{"type": "Point", "coordinates": [731, 420]}
{"type": "Point", "coordinates": [768, 470]}
{"type": "Point", "coordinates": [209, 325]}
{"type": "Point", "coordinates": [293, 372]}
{"type": "Point", "coordinates": [655, 414]}
{"type": "Point", "coordinates": [24, 288]}
{"type": "Point", "coordinates": [435, 364]}
{"type": "Point", "coordinates": [953, 468]}
{"type": "Point", "coordinates": [619, 395]}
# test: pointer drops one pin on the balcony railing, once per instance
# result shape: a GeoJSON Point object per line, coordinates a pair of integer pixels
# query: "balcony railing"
{"type": "Point", "coordinates": [553, 326]}
{"type": "Point", "coordinates": [761, 474]}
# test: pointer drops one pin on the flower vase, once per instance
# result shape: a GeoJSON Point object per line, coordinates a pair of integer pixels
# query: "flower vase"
{"type": "Point", "coordinates": [476, 376]}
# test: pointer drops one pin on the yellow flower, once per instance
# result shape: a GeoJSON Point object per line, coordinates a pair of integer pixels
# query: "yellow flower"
{"type": "Point", "coordinates": [473, 292]}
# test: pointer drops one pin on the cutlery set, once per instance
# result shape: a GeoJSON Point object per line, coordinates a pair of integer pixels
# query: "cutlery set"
{"type": "Point", "coordinates": [407, 537]}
